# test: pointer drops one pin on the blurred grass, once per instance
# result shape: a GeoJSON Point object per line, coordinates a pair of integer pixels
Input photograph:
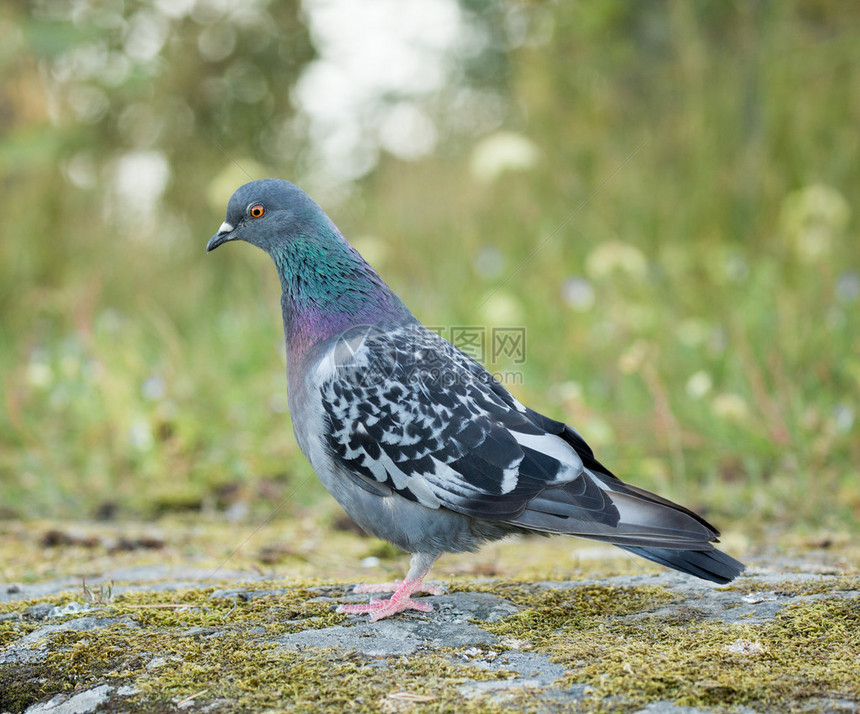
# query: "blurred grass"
{"type": "Point", "coordinates": [683, 252]}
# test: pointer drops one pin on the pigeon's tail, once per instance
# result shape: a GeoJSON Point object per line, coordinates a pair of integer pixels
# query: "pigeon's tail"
{"type": "Point", "coordinates": [599, 506]}
{"type": "Point", "coordinates": [713, 565]}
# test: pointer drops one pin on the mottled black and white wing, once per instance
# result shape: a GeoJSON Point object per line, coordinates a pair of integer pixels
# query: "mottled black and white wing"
{"type": "Point", "coordinates": [407, 409]}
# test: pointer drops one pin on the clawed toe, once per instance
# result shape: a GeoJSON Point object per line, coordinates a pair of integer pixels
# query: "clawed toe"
{"type": "Point", "coordinates": [401, 599]}
{"type": "Point", "coordinates": [380, 609]}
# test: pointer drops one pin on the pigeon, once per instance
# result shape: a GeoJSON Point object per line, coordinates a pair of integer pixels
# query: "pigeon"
{"type": "Point", "coordinates": [418, 442]}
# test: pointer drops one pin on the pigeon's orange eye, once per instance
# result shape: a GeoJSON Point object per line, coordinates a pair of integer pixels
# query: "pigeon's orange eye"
{"type": "Point", "coordinates": [257, 210]}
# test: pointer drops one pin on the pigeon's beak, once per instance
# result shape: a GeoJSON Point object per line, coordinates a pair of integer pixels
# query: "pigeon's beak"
{"type": "Point", "coordinates": [225, 233]}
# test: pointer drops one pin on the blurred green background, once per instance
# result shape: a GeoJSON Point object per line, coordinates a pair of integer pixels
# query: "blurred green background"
{"type": "Point", "coordinates": [663, 193]}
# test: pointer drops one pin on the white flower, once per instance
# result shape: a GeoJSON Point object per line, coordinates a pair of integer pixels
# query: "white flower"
{"type": "Point", "coordinates": [692, 332]}
{"type": "Point", "coordinates": [154, 388]}
{"type": "Point", "coordinates": [489, 262]}
{"type": "Point", "coordinates": [501, 152]}
{"type": "Point", "coordinates": [578, 293]}
{"type": "Point", "coordinates": [812, 217]}
{"type": "Point", "coordinates": [502, 308]}
{"type": "Point", "coordinates": [699, 384]}
{"type": "Point", "coordinates": [39, 374]}
{"type": "Point", "coordinates": [570, 391]}
{"type": "Point", "coordinates": [615, 256]}
{"type": "Point", "coordinates": [140, 435]}
{"type": "Point", "coordinates": [730, 406]}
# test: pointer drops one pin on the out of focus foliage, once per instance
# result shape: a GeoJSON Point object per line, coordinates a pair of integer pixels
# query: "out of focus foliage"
{"type": "Point", "coordinates": [663, 193]}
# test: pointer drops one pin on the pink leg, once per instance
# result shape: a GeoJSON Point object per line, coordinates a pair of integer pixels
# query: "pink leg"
{"type": "Point", "coordinates": [395, 585]}
{"type": "Point", "coordinates": [403, 591]}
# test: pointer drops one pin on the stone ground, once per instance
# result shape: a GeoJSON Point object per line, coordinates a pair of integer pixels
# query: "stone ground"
{"type": "Point", "coordinates": [169, 638]}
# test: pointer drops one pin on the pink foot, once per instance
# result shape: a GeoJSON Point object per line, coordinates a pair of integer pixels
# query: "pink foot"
{"type": "Point", "coordinates": [401, 599]}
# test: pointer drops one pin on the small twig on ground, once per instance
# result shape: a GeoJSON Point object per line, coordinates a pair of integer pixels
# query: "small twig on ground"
{"type": "Point", "coordinates": [191, 698]}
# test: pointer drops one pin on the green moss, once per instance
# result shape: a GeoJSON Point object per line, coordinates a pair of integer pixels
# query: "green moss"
{"type": "Point", "coordinates": [14, 629]}
{"type": "Point", "coordinates": [617, 640]}
{"type": "Point", "coordinates": [549, 611]}
{"type": "Point", "coordinates": [266, 677]}
{"type": "Point", "coordinates": [821, 585]}
{"type": "Point", "coordinates": [247, 674]}
{"type": "Point", "coordinates": [270, 605]}
{"type": "Point", "coordinates": [25, 684]}
{"type": "Point", "coordinates": [809, 650]}
{"type": "Point", "coordinates": [221, 649]}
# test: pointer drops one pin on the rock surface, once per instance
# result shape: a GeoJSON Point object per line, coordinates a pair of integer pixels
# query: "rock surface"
{"type": "Point", "coordinates": [486, 668]}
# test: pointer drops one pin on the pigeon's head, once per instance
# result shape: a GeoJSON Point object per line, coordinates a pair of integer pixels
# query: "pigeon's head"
{"type": "Point", "coordinates": [267, 214]}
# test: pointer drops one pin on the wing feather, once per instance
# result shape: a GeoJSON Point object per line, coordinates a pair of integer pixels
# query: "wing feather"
{"type": "Point", "coordinates": [440, 431]}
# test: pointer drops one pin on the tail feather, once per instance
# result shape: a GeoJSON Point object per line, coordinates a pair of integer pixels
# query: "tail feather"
{"type": "Point", "coordinates": [637, 521]}
{"type": "Point", "coordinates": [713, 565]}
